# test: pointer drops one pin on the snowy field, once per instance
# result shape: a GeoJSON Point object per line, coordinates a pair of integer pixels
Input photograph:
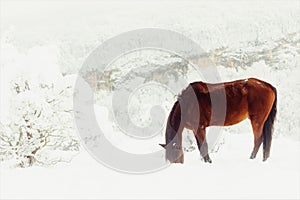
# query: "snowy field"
{"type": "Point", "coordinates": [231, 176]}
{"type": "Point", "coordinates": [43, 45]}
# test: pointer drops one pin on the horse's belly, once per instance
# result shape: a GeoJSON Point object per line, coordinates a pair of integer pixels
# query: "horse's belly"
{"type": "Point", "coordinates": [236, 111]}
{"type": "Point", "coordinates": [235, 118]}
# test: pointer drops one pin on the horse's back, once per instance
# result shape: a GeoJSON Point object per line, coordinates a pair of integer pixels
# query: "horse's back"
{"type": "Point", "coordinates": [239, 85]}
{"type": "Point", "coordinates": [242, 98]}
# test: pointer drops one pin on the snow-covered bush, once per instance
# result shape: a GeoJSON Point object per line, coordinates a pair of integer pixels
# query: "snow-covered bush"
{"type": "Point", "coordinates": [39, 129]}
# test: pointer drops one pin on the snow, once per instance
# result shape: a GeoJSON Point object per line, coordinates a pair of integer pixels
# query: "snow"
{"type": "Point", "coordinates": [232, 175]}
{"type": "Point", "coordinates": [46, 42]}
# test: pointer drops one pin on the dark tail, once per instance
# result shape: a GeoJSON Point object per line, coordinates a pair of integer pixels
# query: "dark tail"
{"type": "Point", "coordinates": [268, 128]}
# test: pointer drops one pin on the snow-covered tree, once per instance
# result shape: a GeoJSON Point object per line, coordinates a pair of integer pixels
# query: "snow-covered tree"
{"type": "Point", "coordinates": [39, 129]}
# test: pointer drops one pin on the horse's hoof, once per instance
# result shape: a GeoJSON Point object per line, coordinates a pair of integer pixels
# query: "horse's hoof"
{"type": "Point", "coordinates": [265, 159]}
{"type": "Point", "coordinates": [207, 160]}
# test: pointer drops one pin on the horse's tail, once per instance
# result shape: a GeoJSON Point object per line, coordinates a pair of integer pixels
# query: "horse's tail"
{"type": "Point", "coordinates": [268, 128]}
{"type": "Point", "coordinates": [173, 136]}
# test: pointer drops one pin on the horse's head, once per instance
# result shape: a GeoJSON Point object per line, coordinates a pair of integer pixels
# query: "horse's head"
{"type": "Point", "coordinates": [174, 153]}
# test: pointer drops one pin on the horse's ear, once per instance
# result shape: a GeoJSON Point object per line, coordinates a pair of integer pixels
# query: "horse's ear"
{"type": "Point", "coordinates": [163, 145]}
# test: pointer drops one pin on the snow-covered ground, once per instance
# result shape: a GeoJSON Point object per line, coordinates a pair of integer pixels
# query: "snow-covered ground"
{"type": "Point", "coordinates": [231, 176]}
{"type": "Point", "coordinates": [42, 40]}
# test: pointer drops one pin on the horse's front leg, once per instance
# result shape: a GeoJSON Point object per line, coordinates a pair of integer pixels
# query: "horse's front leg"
{"type": "Point", "coordinates": [202, 144]}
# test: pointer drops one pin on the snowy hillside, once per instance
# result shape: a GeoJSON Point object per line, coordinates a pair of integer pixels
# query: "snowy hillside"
{"type": "Point", "coordinates": [44, 44]}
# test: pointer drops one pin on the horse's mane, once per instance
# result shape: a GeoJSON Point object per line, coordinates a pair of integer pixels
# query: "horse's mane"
{"type": "Point", "coordinates": [172, 113]}
{"type": "Point", "coordinates": [184, 92]}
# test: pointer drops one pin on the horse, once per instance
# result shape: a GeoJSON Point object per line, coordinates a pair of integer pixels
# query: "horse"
{"type": "Point", "coordinates": [237, 100]}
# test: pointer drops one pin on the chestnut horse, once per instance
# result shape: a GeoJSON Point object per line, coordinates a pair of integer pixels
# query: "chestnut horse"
{"type": "Point", "coordinates": [249, 98]}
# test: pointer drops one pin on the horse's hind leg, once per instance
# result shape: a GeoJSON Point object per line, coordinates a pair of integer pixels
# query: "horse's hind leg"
{"type": "Point", "coordinates": [202, 144]}
{"type": "Point", "coordinates": [257, 127]}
